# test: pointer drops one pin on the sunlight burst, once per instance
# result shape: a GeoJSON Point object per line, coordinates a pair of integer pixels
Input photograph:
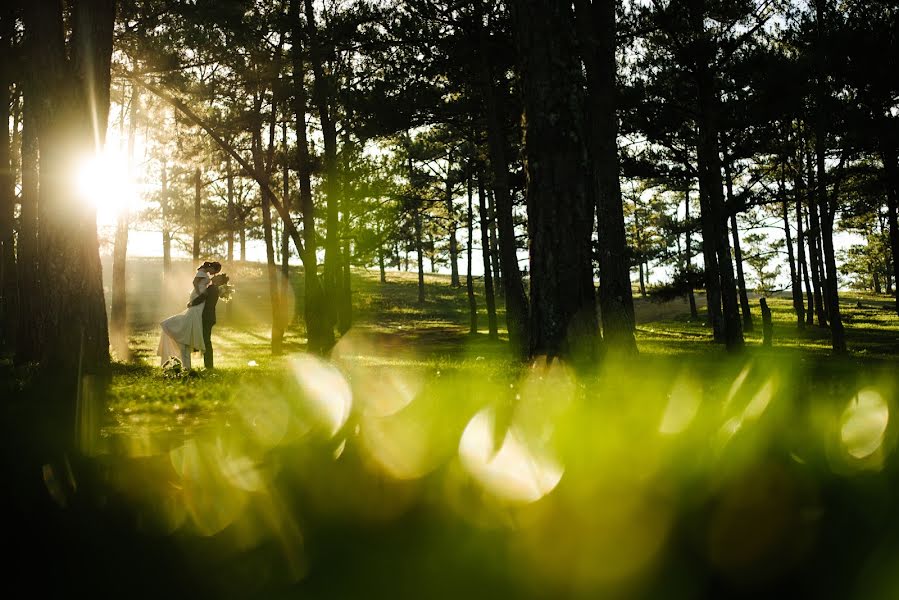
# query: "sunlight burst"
{"type": "Point", "coordinates": [103, 181]}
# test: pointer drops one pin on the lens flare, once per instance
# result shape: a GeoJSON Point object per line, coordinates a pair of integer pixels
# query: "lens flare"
{"type": "Point", "coordinates": [864, 423]}
{"type": "Point", "coordinates": [325, 390]}
{"type": "Point", "coordinates": [515, 472]}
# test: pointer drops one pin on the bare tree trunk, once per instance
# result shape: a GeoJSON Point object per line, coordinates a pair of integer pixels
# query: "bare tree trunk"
{"type": "Point", "coordinates": [517, 317]}
{"type": "Point", "coordinates": [828, 205]}
{"type": "Point", "coordinates": [420, 251]}
{"type": "Point", "coordinates": [745, 308]}
{"type": "Point", "coordinates": [709, 160]}
{"type": "Point", "coordinates": [229, 175]}
{"type": "Point", "coordinates": [243, 240]}
{"type": "Point", "coordinates": [469, 280]}
{"type": "Point", "coordinates": [118, 315]}
{"type": "Point", "coordinates": [164, 211]}
{"type": "Point", "coordinates": [321, 97]}
{"type": "Point", "coordinates": [892, 179]}
{"type": "Point", "coordinates": [815, 251]}
{"type": "Point", "coordinates": [451, 214]}
{"type": "Point", "coordinates": [319, 331]}
{"type": "Point", "coordinates": [197, 216]}
{"type": "Point", "coordinates": [563, 320]}
{"type": "Point", "coordinates": [800, 247]}
{"type": "Point", "coordinates": [694, 314]}
{"type": "Point", "coordinates": [495, 260]}
{"type": "Point", "coordinates": [9, 293]}
{"type": "Point", "coordinates": [29, 333]}
{"type": "Point", "coordinates": [795, 282]}
{"type": "Point", "coordinates": [286, 318]}
{"type": "Point", "coordinates": [71, 87]}
{"type": "Point", "coordinates": [489, 295]}
{"type": "Point", "coordinates": [597, 31]}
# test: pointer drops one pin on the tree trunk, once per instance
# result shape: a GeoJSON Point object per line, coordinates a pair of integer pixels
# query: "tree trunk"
{"type": "Point", "coordinates": [118, 314]}
{"type": "Point", "coordinates": [517, 317]}
{"type": "Point", "coordinates": [319, 332]}
{"type": "Point", "coordinates": [563, 305]}
{"type": "Point", "coordinates": [745, 308]}
{"type": "Point", "coordinates": [71, 86]}
{"type": "Point", "coordinates": [597, 31]}
{"type": "Point", "coordinates": [197, 216]}
{"type": "Point", "coordinates": [451, 214]}
{"type": "Point", "coordinates": [694, 314]}
{"type": "Point", "coordinates": [469, 280]}
{"type": "Point", "coordinates": [285, 291]}
{"type": "Point", "coordinates": [229, 176]}
{"type": "Point", "coordinates": [795, 282]}
{"type": "Point", "coordinates": [264, 168]}
{"type": "Point", "coordinates": [9, 293]}
{"type": "Point", "coordinates": [321, 97]}
{"type": "Point", "coordinates": [420, 251]}
{"type": "Point", "coordinates": [489, 295]}
{"type": "Point", "coordinates": [815, 250]}
{"type": "Point", "coordinates": [800, 250]}
{"type": "Point", "coordinates": [495, 260]}
{"type": "Point", "coordinates": [892, 179]}
{"type": "Point", "coordinates": [828, 205]}
{"type": "Point", "coordinates": [709, 160]}
{"type": "Point", "coordinates": [164, 211]}
{"type": "Point", "coordinates": [30, 330]}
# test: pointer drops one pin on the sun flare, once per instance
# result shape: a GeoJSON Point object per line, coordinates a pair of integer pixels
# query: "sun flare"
{"type": "Point", "coordinates": [103, 180]}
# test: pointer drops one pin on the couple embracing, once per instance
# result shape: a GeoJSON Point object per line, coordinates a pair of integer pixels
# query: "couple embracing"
{"type": "Point", "coordinates": [191, 330]}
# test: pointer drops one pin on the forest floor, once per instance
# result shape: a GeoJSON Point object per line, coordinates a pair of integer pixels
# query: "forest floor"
{"type": "Point", "coordinates": [421, 461]}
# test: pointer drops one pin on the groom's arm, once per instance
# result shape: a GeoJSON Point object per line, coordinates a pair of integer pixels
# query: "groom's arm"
{"type": "Point", "coordinates": [198, 300]}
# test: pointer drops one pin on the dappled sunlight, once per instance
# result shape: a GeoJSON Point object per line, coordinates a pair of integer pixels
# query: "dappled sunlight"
{"type": "Point", "coordinates": [863, 423]}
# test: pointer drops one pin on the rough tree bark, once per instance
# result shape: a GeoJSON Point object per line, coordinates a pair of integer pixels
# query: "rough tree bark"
{"type": "Point", "coordinates": [9, 293]}
{"type": "Point", "coordinates": [563, 320]}
{"type": "Point", "coordinates": [469, 280]}
{"type": "Point", "coordinates": [597, 31]}
{"type": "Point", "coordinates": [29, 333]}
{"type": "Point", "coordinates": [516, 299]}
{"type": "Point", "coordinates": [826, 201]}
{"type": "Point", "coordinates": [489, 292]}
{"type": "Point", "coordinates": [709, 161]}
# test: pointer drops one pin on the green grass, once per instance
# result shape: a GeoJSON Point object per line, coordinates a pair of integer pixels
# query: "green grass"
{"type": "Point", "coordinates": [422, 461]}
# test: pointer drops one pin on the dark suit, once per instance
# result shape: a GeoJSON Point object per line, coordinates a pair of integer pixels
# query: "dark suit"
{"type": "Point", "coordinates": [211, 298]}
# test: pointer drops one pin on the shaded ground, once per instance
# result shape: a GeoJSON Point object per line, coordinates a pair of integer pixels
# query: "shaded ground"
{"type": "Point", "coordinates": [422, 462]}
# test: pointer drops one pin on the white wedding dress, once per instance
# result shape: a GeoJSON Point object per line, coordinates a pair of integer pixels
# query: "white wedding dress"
{"type": "Point", "coordinates": [182, 334]}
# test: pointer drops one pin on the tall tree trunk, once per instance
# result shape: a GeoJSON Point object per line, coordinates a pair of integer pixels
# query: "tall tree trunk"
{"type": "Point", "coordinates": [319, 331]}
{"type": "Point", "coordinates": [828, 205]}
{"type": "Point", "coordinates": [243, 240]}
{"type": "Point", "coordinates": [197, 215]}
{"type": "Point", "coordinates": [814, 248]}
{"type": "Point", "coordinates": [30, 330]}
{"type": "Point", "coordinates": [563, 304]}
{"type": "Point", "coordinates": [286, 317]}
{"type": "Point", "coordinates": [229, 177]}
{"type": "Point", "coordinates": [891, 166]}
{"type": "Point", "coordinates": [420, 251]}
{"type": "Point", "coordinates": [597, 31]}
{"type": "Point", "coordinates": [71, 86]}
{"type": "Point", "coordinates": [495, 260]}
{"type": "Point", "coordinates": [517, 317]}
{"type": "Point", "coordinates": [469, 280]}
{"type": "Point", "coordinates": [118, 314]}
{"type": "Point", "coordinates": [264, 168]}
{"type": "Point", "coordinates": [738, 254]}
{"type": "Point", "coordinates": [489, 294]}
{"type": "Point", "coordinates": [798, 186]}
{"type": "Point", "coordinates": [451, 214]}
{"type": "Point", "coordinates": [9, 293]}
{"type": "Point", "coordinates": [694, 314]}
{"type": "Point", "coordinates": [164, 211]}
{"type": "Point", "coordinates": [795, 281]}
{"type": "Point", "coordinates": [321, 97]}
{"type": "Point", "coordinates": [709, 160]}
{"type": "Point", "coordinates": [710, 262]}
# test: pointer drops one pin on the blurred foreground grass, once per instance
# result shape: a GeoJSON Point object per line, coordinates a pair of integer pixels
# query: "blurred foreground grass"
{"type": "Point", "coordinates": [420, 462]}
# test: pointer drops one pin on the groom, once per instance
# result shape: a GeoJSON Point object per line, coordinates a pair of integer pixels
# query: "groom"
{"type": "Point", "coordinates": [210, 297]}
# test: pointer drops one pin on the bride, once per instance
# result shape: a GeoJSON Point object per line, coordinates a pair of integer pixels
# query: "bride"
{"type": "Point", "coordinates": [182, 334]}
